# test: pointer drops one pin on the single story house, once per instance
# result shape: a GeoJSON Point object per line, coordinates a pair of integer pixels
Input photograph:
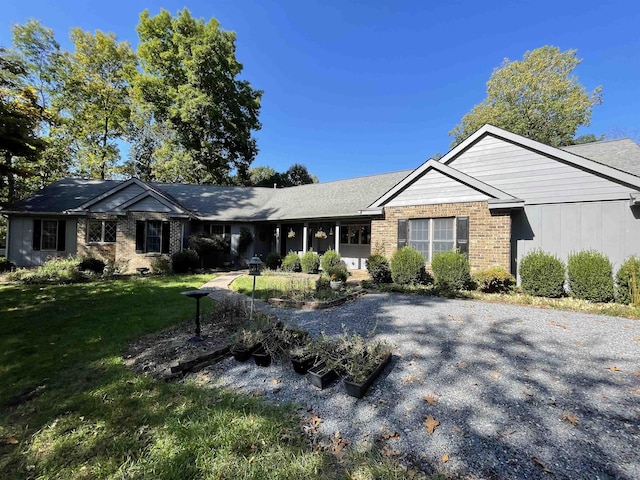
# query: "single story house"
{"type": "Point", "coordinates": [495, 197]}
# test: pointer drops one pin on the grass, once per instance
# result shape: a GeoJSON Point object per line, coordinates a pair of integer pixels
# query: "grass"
{"type": "Point", "coordinates": [282, 285]}
{"type": "Point", "coordinates": [71, 410]}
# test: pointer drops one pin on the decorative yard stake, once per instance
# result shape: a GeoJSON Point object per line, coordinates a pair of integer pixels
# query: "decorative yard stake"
{"type": "Point", "coordinates": [255, 265]}
{"type": "Point", "coordinates": [197, 294]}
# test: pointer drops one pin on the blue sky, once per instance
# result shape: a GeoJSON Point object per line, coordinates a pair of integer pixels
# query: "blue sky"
{"type": "Point", "coordinates": [359, 87]}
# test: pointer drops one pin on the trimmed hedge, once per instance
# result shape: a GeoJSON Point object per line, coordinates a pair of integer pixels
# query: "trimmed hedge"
{"type": "Point", "coordinates": [310, 262]}
{"type": "Point", "coordinates": [329, 259]}
{"type": "Point", "coordinates": [273, 261]}
{"type": "Point", "coordinates": [624, 281]}
{"type": "Point", "coordinates": [407, 266]}
{"type": "Point", "coordinates": [91, 264]}
{"type": "Point", "coordinates": [291, 263]}
{"type": "Point", "coordinates": [185, 261]}
{"type": "Point", "coordinates": [451, 270]}
{"type": "Point", "coordinates": [379, 268]}
{"type": "Point", "coordinates": [590, 276]}
{"type": "Point", "coordinates": [542, 274]}
{"type": "Point", "coordinates": [494, 280]}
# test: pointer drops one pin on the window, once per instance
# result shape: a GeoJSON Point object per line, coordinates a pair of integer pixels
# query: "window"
{"type": "Point", "coordinates": [221, 230]}
{"type": "Point", "coordinates": [355, 234]}
{"type": "Point", "coordinates": [101, 231]}
{"type": "Point", "coordinates": [152, 236]}
{"type": "Point", "coordinates": [433, 235]}
{"type": "Point", "coordinates": [49, 235]}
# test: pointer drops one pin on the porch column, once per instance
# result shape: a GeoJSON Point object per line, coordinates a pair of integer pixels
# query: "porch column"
{"type": "Point", "coordinates": [305, 240]}
{"type": "Point", "coordinates": [278, 230]}
{"type": "Point", "coordinates": [337, 238]}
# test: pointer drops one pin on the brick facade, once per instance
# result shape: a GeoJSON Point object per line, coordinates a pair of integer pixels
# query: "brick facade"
{"type": "Point", "coordinates": [103, 251]}
{"type": "Point", "coordinates": [489, 232]}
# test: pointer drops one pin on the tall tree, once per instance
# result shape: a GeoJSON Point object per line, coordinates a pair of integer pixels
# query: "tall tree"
{"type": "Point", "coordinates": [189, 78]}
{"type": "Point", "coordinates": [297, 174]}
{"type": "Point", "coordinates": [95, 99]}
{"type": "Point", "coordinates": [538, 97]}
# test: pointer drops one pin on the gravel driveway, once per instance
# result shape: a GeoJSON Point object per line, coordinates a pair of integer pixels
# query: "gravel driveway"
{"type": "Point", "coordinates": [520, 393]}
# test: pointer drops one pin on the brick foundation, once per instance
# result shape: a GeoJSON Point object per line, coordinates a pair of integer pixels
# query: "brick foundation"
{"type": "Point", "coordinates": [489, 232]}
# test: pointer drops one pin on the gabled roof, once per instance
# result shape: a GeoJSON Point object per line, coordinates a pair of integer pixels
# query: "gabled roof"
{"type": "Point", "coordinates": [623, 154]}
{"type": "Point", "coordinates": [499, 197]}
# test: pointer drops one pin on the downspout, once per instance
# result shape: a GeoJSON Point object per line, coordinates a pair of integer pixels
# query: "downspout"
{"type": "Point", "coordinates": [8, 242]}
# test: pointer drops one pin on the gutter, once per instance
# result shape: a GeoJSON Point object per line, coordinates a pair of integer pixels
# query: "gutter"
{"type": "Point", "coordinates": [502, 204]}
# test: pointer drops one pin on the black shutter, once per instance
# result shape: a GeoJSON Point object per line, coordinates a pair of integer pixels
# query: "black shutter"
{"type": "Point", "coordinates": [37, 234]}
{"type": "Point", "coordinates": [139, 237]}
{"type": "Point", "coordinates": [62, 235]}
{"type": "Point", "coordinates": [403, 224]}
{"type": "Point", "coordinates": [166, 237]}
{"type": "Point", "coordinates": [462, 235]}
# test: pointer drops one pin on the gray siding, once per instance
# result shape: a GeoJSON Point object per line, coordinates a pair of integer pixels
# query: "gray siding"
{"type": "Point", "coordinates": [612, 228]}
{"type": "Point", "coordinates": [114, 201]}
{"type": "Point", "coordinates": [435, 187]}
{"type": "Point", "coordinates": [20, 249]}
{"type": "Point", "coordinates": [150, 204]}
{"type": "Point", "coordinates": [534, 177]}
{"type": "Point", "coordinates": [355, 256]}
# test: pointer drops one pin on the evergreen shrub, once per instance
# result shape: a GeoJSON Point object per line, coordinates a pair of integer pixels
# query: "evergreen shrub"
{"type": "Point", "coordinates": [590, 276]}
{"type": "Point", "coordinates": [329, 259]}
{"type": "Point", "coordinates": [310, 262]}
{"type": "Point", "coordinates": [494, 280]}
{"type": "Point", "coordinates": [91, 264]}
{"type": "Point", "coordinates": [407, 266]}
{"type": "Point", "coordinates": [451, 271]}
{"type": "Point", "coordinates": [291, 263]}
{"type": "Point", "coordinates": [542, 274]}
{"type": "Point", "coordinates": [628, 281]}
{"type": "Point", "coordinates": [273, 261]}
{"type": "Point", "coordinates": [185, 261]}
{"type": "Point", "coordinates": [379, 268]}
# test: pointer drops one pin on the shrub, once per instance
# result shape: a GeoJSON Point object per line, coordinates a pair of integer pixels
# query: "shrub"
{"type": "Point", "coordinates": [161, 265]}
{"type": "Point", "coordinates": [451, 271]}
{"type": "Point", "coordinates": [542, 274]}
{"type": "Point", "coordinates": [322, 283]}
{"type": "Point", "coordinates": [407, 266]}
{"type": "Point", "coordinates": [310, 262]}
{"type": "Point", "coordinates": [331, 258]}
{"type": "Point", "coordinates": [628, 281]}
{"type": "Point", "coordinates": [379, 269]}
{"type": "Point", "coordinates": [90, 264]}
{"type": "Point", "coordinates": [338, 272]}
{"type": "Point", "coordinates": [273, 261]}
{"type": "Point", "coordinates": [207, 245]}
{"type": "Point", "coordinates": [494, 280]}
{"type": "Point", "coordinates": [291, 263]}
{"type": "Point", "coordinates": [54, 270]}
{"type": "Point", "coordinates": [5, 265]}
{"type": "Point", "coordinates": [590, 276]}
{"type": "Point", "coordinates": [185, 261]}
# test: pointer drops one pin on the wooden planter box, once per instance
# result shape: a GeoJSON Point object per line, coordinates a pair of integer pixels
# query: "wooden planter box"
{"type": "Point", "coordinates": [321, 376]}
{"type": "Point", "coordinates": [261, 357]}
{"type": "Point", "coordinates": [359, 390]}
{"type": "Point", "coordinates": [243, 354]}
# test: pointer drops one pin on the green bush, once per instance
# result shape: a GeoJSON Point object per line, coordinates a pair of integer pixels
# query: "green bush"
{"type": "Point", "coordinates": [407, 267]}
{"type": "Point", "coordinates": [207, 245]}
{"type": "Point", "coordinates": [162, 265]}
{"type": "Point", "coordinates": [628, 290]}
{"type": "Point", "coordinates": [542, 274]}
{"type": "Point", "coordinates": [590, 276]}
{"type": "Point", "coordinates": [5, 265]}
{"type": "Point", "coordinates": [338, 272]}
{"type": "Point", "coordinates": [331, 258]}
{"type": "Point", "coordinates": [310, 262]}
{"type": "Point", "coordinates": [451, 271]}
{"type": "Point", "coordinates": [322, 283]}
{"type": "Point", "coordinates": [273, 261]}
{"type": "Point", "coordinates": [291, 263]}
{"type": "Point", "coordinates": [185, 261]}
{"type": "Point", "coordinates": [90, 264]}
{"type": "Point", "coordinates": [54, 270]}
{"type": "Point", "coordinates": [494, 280]}
{"type": "Point", "coordinates": [379, 268]}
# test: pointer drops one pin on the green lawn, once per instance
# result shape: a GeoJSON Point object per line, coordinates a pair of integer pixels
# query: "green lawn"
{"type": "Point", "coordinates": [69, 409]}
{"type": "Point", "coordinates": [283, 285]}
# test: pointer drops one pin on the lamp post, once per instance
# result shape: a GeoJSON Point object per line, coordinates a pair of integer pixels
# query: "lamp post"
{"type": "Point", "coordinates": [255, 265]}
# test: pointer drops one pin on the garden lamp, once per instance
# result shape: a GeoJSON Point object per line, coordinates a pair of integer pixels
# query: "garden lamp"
{"type": "Point", "coordinates": [255, 265]}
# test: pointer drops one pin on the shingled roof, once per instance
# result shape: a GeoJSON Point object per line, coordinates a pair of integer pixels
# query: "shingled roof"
{"type": "Point", "coordinates": [623, 154]}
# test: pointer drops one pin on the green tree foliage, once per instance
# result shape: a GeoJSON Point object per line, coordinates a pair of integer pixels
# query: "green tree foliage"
{"type": "Point", "coordinates": [537, 97]}
{"type": "Point", "coordinates": [628, 281]}
{"type": "Point", "coordinates": [95, 99]}
{"type": "Point", "coordinates": [189, 80]}
{"type": "Point", "coordinates": [265, 176]}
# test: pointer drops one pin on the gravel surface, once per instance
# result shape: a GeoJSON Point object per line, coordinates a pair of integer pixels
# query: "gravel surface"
{"type": "Point", "coordinates": [519, 392]}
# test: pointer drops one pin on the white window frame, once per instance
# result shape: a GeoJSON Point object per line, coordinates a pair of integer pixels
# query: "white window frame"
{"type": "Point", "coordinates": [102, 231]}
{"type": "Point", "coordinates": [430, 240]}
{"type": "Point", "coordinates": [55, 235]}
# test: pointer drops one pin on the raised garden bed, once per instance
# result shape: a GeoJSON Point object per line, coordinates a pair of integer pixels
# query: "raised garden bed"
{"type": "Point", "coordinates": [321, 376]}
{"type": "Point", "coordinates": [359, 390]}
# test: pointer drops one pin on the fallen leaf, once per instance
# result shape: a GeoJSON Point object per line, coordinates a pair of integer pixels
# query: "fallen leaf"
{"type": "Point", "coordinates": [539, 463]}
{"type": "Point", "coordinates": [461, 365]}
{"type": "Point", "coordinates": [275, 381]}
{"type": "Point", "coordinates": [458, 430]}
{"type": "Point", "coordinates": [495, 376]}
{"type": "Point", "coordinates": [637, 374]}
{"type": "Point", "coordinates": [391, 436]}
{"type": "Point", "coordinates": [636, 339]}
{"type": "Point", "coordinates": [558, 324]}
{"type": "Point", "coordinates": [572, 419]}
{"type": "Point", "coordinates": [614, 369]}
{"type": "Point", "coordinates": [12, 441]}
{"type": "Point", "coordinates": [430, 400]}
{"type": "Point", "coordinates": [431, 424]}
{"type": "Point", "coordinates": [445, 458]}
{"type": "Point", "coordinates": [579, 343]}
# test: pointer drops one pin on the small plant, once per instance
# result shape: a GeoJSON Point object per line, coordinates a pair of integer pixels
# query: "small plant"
{"type": "Point", "coordinates": [494, 280]}
{"type": "Point", "coordinates": [54, 270]}
{"type": "Point", "coordinates": [6, 265]}
{"type": "Point", "coordinates": [590, 276]}
{"type": "Point", "coordinates": [273, 261]}
{"type": "Point", "coordinates": [161, 265]}
{"type": "Point", "coordinates": [321, 234]}
{"type": "Point", "coordinates": [542, 274]}
{"type": "Point", "coordinates": [628, 281]}
{"type": "Point", "coordinates": [407, 266]}
{"type": "Point", "coordinates": [310, 262]}
{"type": "Point", "coordinates": [185, 261]}
{"type": "Point", "coordinates": [338, 272]}
{"type": "Point", "coordinates": [291, 262]}
{"type": "Point", "coordinates": [451, 271]}
{"type": "Point", "coordinates": [331, 258]}
{"type": "Point", "coordinates": [322, 284]}
{"type": "Point", "coordinates": [91, 264]}
{"type": "Point", "coordinates": [291, 233]}
{"type": "Point", "coordinates": [379, 268]}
